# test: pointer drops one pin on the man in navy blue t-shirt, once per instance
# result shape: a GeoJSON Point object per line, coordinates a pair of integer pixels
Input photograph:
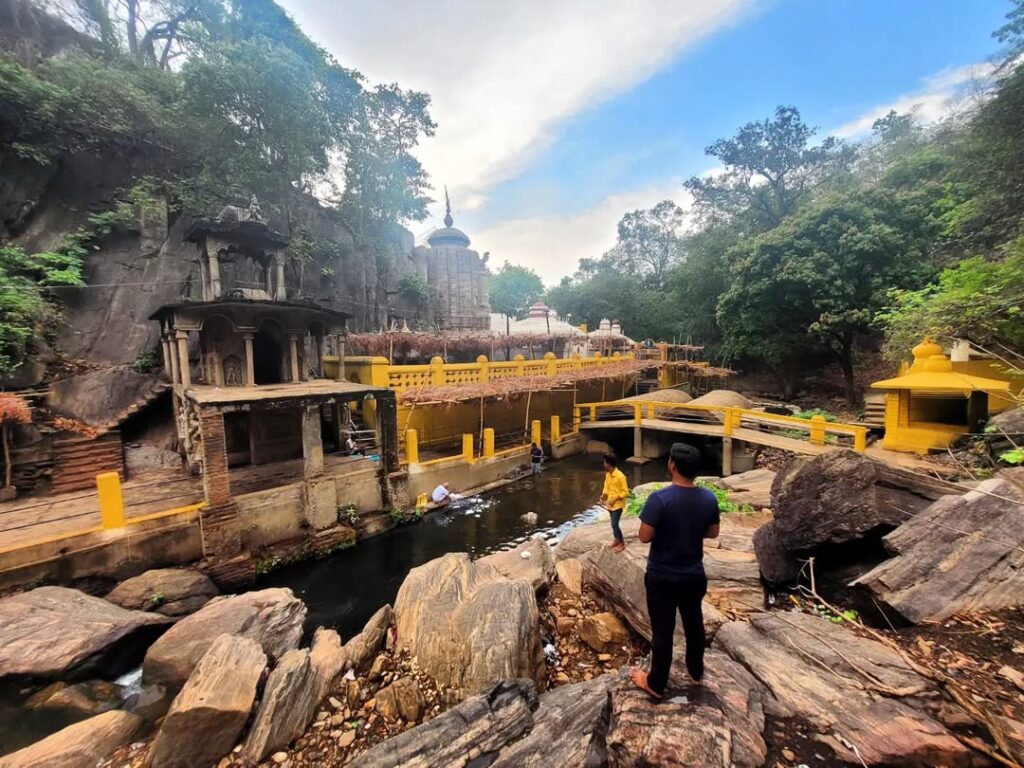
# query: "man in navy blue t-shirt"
{"type": "Point", "coordinates": [675, 521]}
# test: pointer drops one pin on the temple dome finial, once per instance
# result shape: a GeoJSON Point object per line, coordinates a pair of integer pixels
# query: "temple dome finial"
{"type": "Point", "coordinates": [448, 220]}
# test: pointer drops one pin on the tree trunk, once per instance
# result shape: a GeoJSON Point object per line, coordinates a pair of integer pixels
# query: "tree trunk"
{"type": "Point", "coordinates": [508, 341]}
{"type": "Point", "coordinates": [6, 430]}
{"type": "Point", "coordinates": [846, 363]}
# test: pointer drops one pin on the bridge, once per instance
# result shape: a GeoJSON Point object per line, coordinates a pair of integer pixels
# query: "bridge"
{"type": "Point", "coordinates": [747, 426]}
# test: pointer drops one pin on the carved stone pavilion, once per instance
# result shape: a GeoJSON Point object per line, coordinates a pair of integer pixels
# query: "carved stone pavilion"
{"type": "Point", "coordinates": [251, 398]}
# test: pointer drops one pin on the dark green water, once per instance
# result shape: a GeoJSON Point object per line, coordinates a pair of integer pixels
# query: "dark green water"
{"type": "Point", "coordinates": [342, 591]}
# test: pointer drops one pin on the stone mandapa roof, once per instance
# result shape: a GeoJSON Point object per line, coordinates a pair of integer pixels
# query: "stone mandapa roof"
{"type": "Point", "coordinates": [106, 397]}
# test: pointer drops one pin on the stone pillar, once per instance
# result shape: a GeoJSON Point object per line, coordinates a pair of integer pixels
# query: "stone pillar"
{"type": "Point", "coordinates": [250, 366]}
{"type": "Point", "coordinates": [165, 347]}
{"type": "Point", "coordinates": [293, 345]}
{"type": "Point", "coordinates": [726, 456]}
{"type": "Point", "coordinates": [172, 352]}
{"type": "Point", "coordinates": [186, 373]}
{"type": "Point", "coordinates": [321, 352]}
{"type": "Point", "coordinates": [387, 430]}
{"type": "Point", "coordinates": [216, 482]}
{"type": "Point", "coordinates": [638, 442]}
{"type": "Point", "coordinates": [270, 279]}
{"type": "Point", "coordinates": [214, 259]}
{"type": "Point", "coordinates": [312, 442]}
{"type": "Point", "coordinates": [280, 294]}
{"type": "Point", "coordinates": [341, 357]}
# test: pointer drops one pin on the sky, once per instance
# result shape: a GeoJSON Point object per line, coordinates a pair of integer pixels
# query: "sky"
{"type": "Point", "coordinates": [556, 117]}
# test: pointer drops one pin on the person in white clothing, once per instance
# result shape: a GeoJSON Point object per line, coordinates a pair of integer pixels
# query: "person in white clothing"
{"type": "Point", "coordinates": [442, 495]}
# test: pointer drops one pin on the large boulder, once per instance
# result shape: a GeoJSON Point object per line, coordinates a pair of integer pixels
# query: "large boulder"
{"type": "Point", "coordinates": [570, 574]}
{"type": "Point", "coordinates": [168, 591]}
{"type": "Point", "coordinates": [584, 539]}
{"type": "Point", "coordinates": [87, 698]}
{"type": "Point", "coordinates": [717, 726]}
{"type": "Point", "coordinates": [480, 725]}
{"type": "Point", "coordinates": [271, 617]}
{"type": "Point", "coordinates": [603, 631]}
{"type": "Point", "coordinates": [60, 633]}
{"type": "Point", "coordinates": [82, 745]}
{"type": "Point", "coordinates": [852, 690]}
{"type": "Point", "coordinates": [294, 689]}
{"type": "Point", "coordinates": [445, 615]}
{"type": "Point", "coordinates": [963, 553]}
{"type": "Point", "coordinates": [208, 715]}
{"type": "Point", "coordinates": [753, 487]}
{"type": "Point", "coordinates": [619, 578]}
{"type": "Point", "coordinates": [837, 498]}
{"type": "Point", "coordinates": [532, 560]}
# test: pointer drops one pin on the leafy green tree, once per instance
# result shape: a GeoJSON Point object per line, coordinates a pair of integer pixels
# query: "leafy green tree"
{"type": "Point", "coordinates": [816, 282]}
{"type": "Point", "coordinates": [650, 241]}
{"type": "Point", "coordinates": [771, 167]}
{"type": "Point", "coordinates": [513, 289]}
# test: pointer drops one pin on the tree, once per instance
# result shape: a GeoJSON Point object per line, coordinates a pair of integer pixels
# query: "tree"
{"type": "Point", "coordinates": [513, 289]}
{"type": "Point", "coordinates": [771, 167]}
{"type": "Point", "coordinates": [816, 282]}
{"type": "Point", "coordinates": [650, 241]}
{"type": "Point", "coordinates": [13, 410]}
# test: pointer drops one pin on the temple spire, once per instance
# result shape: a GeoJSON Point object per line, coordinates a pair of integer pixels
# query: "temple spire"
{"type": "Point", "coordinates": [448, 220]}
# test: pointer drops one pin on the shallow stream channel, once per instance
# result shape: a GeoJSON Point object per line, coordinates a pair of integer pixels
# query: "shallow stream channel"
{"type": "Point", "coordinates": [343, 590]}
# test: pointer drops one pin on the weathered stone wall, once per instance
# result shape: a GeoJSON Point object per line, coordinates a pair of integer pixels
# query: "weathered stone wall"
{"type": "Point", "coordinates": [458, 285]}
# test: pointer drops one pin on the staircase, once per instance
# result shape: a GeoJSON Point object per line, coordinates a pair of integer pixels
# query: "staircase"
{"type": "Point", "coordinates": [874, 409]}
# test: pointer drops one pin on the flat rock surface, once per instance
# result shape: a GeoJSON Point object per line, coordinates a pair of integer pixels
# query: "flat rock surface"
{"type": "Point", "coordinates": [271, 617]}
{"type": "Point", "coordinates": [208, 715]}
{"type": "Point", "coordinates": [853, 690]}
{"type": "Point", "coordinates": [753, 487]}
{"type": "Point", "coordinates": [961, 554]}
{"type": "Point", "coordinates": [537, 567]}
{"type": "Point", "coordinates": [82, 745]}
{"type": "Point", "coordinates": [168, 591]}
{"type": "Point", "coordinates": [52, 632]}
{"type": "Point", "coordinates": [445, 614]}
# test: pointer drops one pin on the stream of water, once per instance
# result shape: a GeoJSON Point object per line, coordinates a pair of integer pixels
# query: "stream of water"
{"type": "Point", "coordinates": [343, 590]}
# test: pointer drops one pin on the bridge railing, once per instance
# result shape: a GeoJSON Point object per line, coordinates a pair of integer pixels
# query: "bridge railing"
{"type": "Point", "coordinates": [815, 430]}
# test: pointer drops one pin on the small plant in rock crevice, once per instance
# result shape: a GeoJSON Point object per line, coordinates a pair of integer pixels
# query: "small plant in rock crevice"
{"type": "Point", "coordinates": [404, 517]}
{"type": "Point", "coordinates": [347, 515]}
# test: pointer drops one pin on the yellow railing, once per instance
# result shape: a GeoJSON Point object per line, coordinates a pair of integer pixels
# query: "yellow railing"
{"type": "Point", "coordinates": [377, 372]}
{"type": "Point", "coordinates": [818, 429]}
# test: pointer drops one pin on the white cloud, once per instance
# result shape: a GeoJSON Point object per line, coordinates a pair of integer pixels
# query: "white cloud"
{"type": "Point", "coordinates": [941, 95]}
{"type": "Point", "coordinates": [552, 245]}
{"type": "Point", "coordinates": [502, 75]}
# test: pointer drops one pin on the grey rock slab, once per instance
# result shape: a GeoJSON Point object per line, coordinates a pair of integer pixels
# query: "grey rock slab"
{"type": "Point", "coordinates": [168, 591]}
{"type": "Point", "coordinates": [361, 650]}
{"type": "Point", "coordinates": [272, 617]}
{"type": "Point", "coordinates": [208, 715]}
{"type": "Point", "coordinates": [56, 632]}
{"type": "Point", "coordinates": [537, 567]}
{"type": "Point", "coordinates": [82, 745]}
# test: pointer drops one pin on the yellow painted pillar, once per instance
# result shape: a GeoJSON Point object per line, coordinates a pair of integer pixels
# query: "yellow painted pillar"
{"type": "Point", "coordinates": [577, 418]}
{"type": "Point", "coordinates": [593, 413]}
{"type": "Point", "coordinates": [860, 440]}
{"type": "Point", "coordinates": [488, 442]}
{"type": "Point", "coordinates": [467, 447]}
{"type": "Point", "coordinates": [437, 377]}
{"type": "Point", "coordinates": [520, 362]}
{"type": "Point", "coordinates": [380, 372]}
{"type": "Point", "coordinates": [817, 430]}
{"type": "Point", "coordinates": [484, 372]}
{"type": "Point", "coordinates": [638, 418]}
{"type": "Point", "coordinates": [727, 422]}
{"type": "Point", "coordinates": [108, 486]}
{"type": "Point", "coordinates": [552, 364]}
{"type": "Point", "coordinates": [412, 447]}
{"type": "Point", "coordinates": [535, 431]}
{"type": "Point", "coordinates": [556, 429]}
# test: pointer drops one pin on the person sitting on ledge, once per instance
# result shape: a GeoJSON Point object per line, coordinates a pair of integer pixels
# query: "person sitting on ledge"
{"type": "Point", "coordinates": [351, 446]}
{"type": "Point", "coordinates": [442, 495]}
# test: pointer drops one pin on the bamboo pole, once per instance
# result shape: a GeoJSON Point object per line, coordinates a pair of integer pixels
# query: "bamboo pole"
{"type": "Point", "coordinates": [526, 426]}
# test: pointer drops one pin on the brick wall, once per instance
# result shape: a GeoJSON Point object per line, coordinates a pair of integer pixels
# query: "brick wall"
{"type": "Point", "coordinates": [216, 483]}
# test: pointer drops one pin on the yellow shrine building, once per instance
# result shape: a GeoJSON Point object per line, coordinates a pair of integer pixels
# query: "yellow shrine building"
{"type": "Point", "coordinates": [932, 404]}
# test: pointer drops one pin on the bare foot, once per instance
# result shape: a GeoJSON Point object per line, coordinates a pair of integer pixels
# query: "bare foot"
{"type": "Point", "coordinates": [639, 678]}
{"type": "Point", "coordinates": [618, 546]}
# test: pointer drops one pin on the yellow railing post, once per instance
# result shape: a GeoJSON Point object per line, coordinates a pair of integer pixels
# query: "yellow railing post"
{"type": "Point", "coordinates": [638, 418]}
{"type": "Point", "coordinates": [484, 373]}
{"type": "Point", "coordinates": [593, 413]}
{"type": "Point", "coordinates": [860, 440]}
{"type": "Point", "coordinates": [437, 377]}
{"type": "Point", "coordinates": [108, 486]}
{"type": "Point", "coordinates": [520, 362]}
{"type": "Point", "coordinates": [727, 422]}
{"type": "Point", "coordinates": [535, 433]}
{"type": "Point", "coordinates": [380, 374]}
{"type": "Point", "coordinates": [552, 363]}
{"type": "Point", "coordinates": [488, 442]}
{"type": "Point", "coordinates": [577, 418]}
{"type": "Point", "coordinates": [467, 447]}
{"type": "Point", "coordinates": [556, 429]}
{"type": "Point", "coordinates": [412, 447]}
{"type": "Point", "coordinates": [817, 430]}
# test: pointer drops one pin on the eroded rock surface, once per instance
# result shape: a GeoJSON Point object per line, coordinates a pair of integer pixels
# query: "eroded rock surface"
{"type": "Point", "coordinates": [570, 574]}
{"type": "Point", "coordinates": [271, 617]}
{"type": "Point", "coordinates": [467, 626]}
{"type": "Point", "coordinates": [60, 633]}
{"type": "Point", "coordinates": [82, 745]}
{"type": "Point", "coordinates": [168, 591]}
{"type": "Point", "coordinates": [962, 553]}
{"type": "Point", "coordinates": [361, 650]}
{"type": "Point", "coordinates": [208, 715]}
{"type": "Point", "coordinates": [853, 690]}
{"type": "Point", "coordinates": [537, 567]}
{"type": "Point", "coordinates": [837, 498]}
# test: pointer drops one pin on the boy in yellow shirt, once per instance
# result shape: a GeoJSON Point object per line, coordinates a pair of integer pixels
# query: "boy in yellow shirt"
{"type": "Point", "coordinates": [613, 497]}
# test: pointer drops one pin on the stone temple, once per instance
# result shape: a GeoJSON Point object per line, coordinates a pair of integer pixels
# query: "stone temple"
{"type": "Point", "coordinates": [457, 277]}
